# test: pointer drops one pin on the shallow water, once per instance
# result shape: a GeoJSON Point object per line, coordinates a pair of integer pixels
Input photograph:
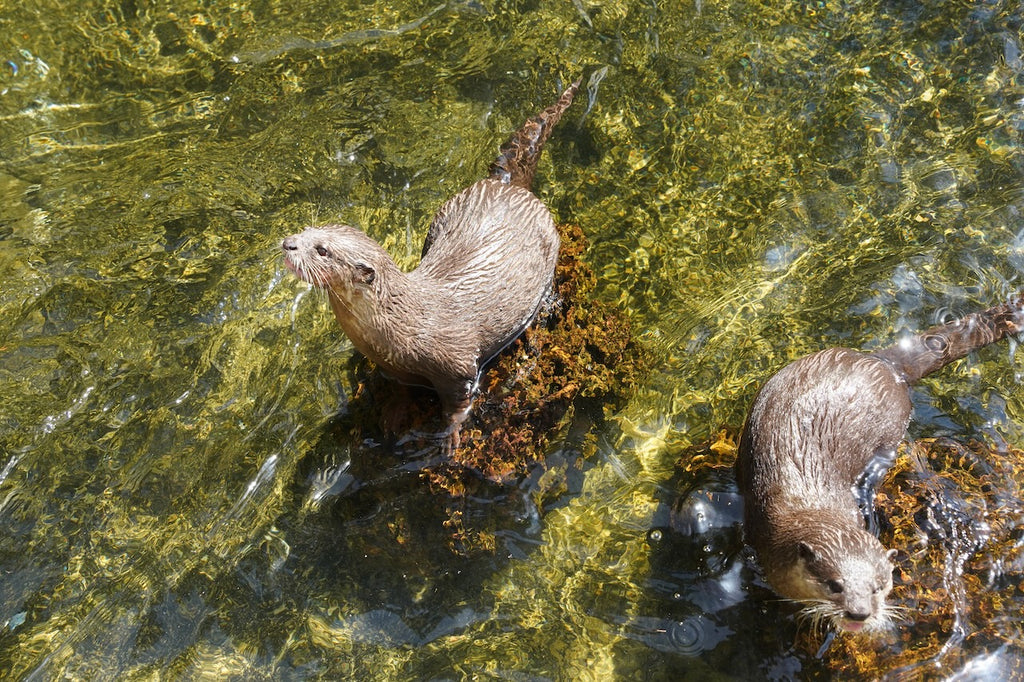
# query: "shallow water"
{"type": "Point", "coordinates": [757, 183]}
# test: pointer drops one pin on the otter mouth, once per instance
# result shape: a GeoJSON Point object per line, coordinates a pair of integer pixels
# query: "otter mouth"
{"type": "Point", "coordinates": [851, 625]}
{"type": "Point", "coordinates": [296, 270]}
{"type": "Point", "coordinates": [825, 613]}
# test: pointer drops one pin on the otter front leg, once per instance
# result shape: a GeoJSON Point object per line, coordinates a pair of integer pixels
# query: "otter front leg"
{"type": "Point", "coordinates": [456, 402]}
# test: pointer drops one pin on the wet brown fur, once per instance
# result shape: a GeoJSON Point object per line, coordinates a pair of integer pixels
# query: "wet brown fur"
{"type": "Point", "coordinates": [812, 430]}
{"type": "Point", "coordinates": [488, 261]}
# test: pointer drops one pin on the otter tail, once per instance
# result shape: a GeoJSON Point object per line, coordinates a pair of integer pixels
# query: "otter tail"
{"type": "Point", "coordinates": [517, 160]}
{"type": "Point", "coordinates": [934, 349]}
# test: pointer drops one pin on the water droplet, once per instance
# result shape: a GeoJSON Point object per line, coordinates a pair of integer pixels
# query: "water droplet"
{"type": "Point", "coordinates": [690, 636]}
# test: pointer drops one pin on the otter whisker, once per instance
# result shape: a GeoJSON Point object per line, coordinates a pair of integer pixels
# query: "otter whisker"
{"type": "Point", "coordinates": [487, 264]}
{"type": "Point", "coordinates": [816, 613]}
{"type": "Point", "coordinates": [815, 429]}
{"type": "Point", "coordinates": [891, 615]}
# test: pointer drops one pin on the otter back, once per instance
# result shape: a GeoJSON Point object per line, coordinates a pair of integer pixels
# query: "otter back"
{"type": "Point", "coordinates": [488, 261]}
{"type": "Point", "coordinates": [811, 431]}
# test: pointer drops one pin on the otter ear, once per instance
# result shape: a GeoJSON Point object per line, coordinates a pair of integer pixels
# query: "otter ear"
{"type": "Point", "coordinates": [806, 552]}
{"type": "Point", "coordinates": [365, 273]}
{"type": "Point", "coordinates": [891, 554]}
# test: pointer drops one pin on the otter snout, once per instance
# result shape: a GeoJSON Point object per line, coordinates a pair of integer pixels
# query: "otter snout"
{"type": "Point", "coordinates": [294, 259]}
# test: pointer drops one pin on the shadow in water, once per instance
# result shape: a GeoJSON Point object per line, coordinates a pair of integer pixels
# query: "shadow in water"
{"type": "Point", "coordinates": [386, 544]}
{"type": "Point", "coordinates": [949, 507]}
{"type": "Point", "coordinates": [706, 604]}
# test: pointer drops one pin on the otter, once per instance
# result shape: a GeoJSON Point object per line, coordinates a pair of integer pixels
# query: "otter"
{"type": "Point", "coordinates": [816, 430]}
{"type": "Point", "coordinates": [487, 263]}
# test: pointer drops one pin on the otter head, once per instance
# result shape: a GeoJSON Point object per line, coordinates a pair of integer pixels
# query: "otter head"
{"type": "Point", "coordinates": [336, 257]}
{"type": "Point", "coordinates": [841, 574]}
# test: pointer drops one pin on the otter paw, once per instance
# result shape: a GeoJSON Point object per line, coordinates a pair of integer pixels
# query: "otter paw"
{"type": "Point", "coordinates": [450, 440]}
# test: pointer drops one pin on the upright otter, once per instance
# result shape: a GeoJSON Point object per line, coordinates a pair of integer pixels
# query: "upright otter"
{"type": "Point", "coordinates": [812, 431]}
{"type": "Point", "coordinates": [487, 263]}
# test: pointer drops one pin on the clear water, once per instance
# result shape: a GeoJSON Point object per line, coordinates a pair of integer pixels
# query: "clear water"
{"type": "Point", "coordinates": [758, 181]}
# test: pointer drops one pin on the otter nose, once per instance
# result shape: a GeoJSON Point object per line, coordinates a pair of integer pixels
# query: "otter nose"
{"type": "Point", "coordinates": [290, 244]}
{"type": "Point", "coordinates": [858, 616]}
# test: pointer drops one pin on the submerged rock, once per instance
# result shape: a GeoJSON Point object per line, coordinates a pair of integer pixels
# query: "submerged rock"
{"type": "Point", "coordinates": [955, 512]}
{"type": "Point", "coordinates": [551, 385]}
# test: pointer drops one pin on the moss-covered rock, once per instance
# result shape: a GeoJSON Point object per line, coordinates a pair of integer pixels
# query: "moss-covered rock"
{"type": "Point", "coordinates": [573, 366]}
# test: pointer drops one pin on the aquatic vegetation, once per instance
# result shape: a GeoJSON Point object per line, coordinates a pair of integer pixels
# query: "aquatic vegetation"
{"type": "Point", "coordinates": [953, 511]}
{"type": "Point", "coordinates": [953, 508]}
{"type": "Point", "coordinates": [575, 364]}
{"type": "Point", "coordinates": [185, 487]}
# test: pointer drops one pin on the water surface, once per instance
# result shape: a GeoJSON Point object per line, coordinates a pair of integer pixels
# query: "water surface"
{"type": "Point", "coordinates": [757, 182]}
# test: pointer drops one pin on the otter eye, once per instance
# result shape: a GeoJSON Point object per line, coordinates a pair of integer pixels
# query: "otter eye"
{"type": "Point", "coordinates": [834, 586]}
{"type": "Point", "coordinates": [321, 249]}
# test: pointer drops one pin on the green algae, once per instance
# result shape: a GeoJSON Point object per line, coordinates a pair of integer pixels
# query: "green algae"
{"type": "Point", "coordinates": [755, 181]}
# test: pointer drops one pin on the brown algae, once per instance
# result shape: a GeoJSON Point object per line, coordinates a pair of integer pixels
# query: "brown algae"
{"type": "Point", "coordinates": [574, 365]}
{"type": "Point", "coordinates": [952, 511]}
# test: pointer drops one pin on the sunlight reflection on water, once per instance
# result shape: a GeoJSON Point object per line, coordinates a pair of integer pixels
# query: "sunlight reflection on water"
{"type": "Point", "coordinates": [756, 183]}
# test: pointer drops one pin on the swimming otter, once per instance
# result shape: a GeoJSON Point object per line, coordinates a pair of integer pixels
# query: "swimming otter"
{"type": "Point", "coordinates": [812, 431]}
{"type": "Point", "coordinates": [488, 260]}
